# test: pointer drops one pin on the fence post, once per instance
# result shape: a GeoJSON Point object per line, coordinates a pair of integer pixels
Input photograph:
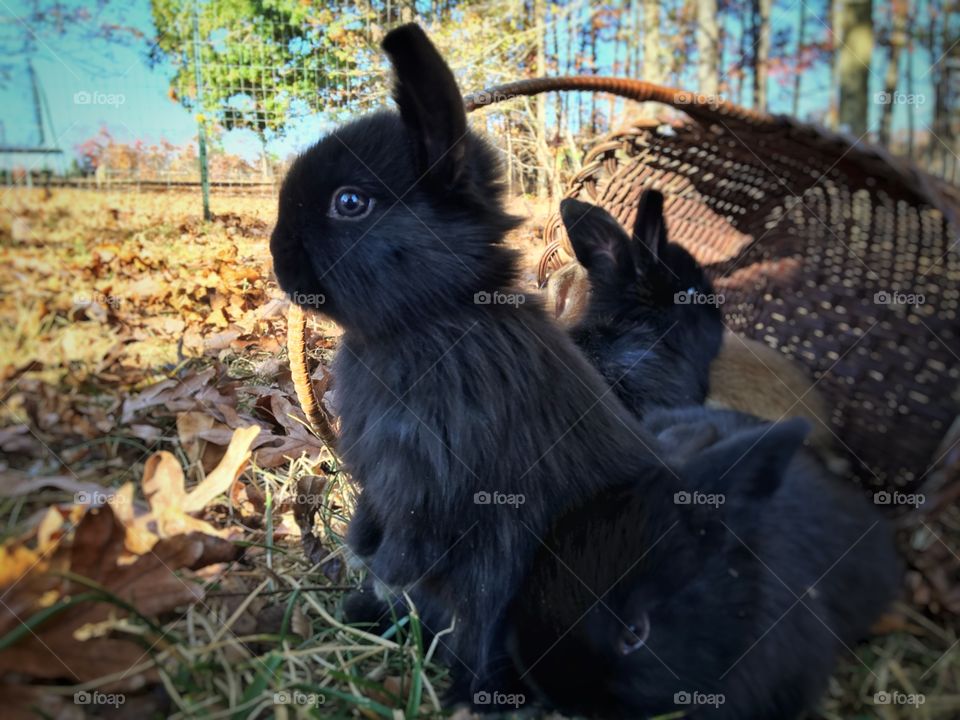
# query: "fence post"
{"type": "Point", "coordinates": [201, 119]}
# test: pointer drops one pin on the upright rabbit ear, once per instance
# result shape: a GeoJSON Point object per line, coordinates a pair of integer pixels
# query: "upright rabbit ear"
{"type": "Point", "coordinates": [650, 229]}
{"type": "Point", "coordinates": [752, 460]}
{"type": "Point", "coordinates": [430, 103]}
{"type": "Point", "coordinates": [599, 242]}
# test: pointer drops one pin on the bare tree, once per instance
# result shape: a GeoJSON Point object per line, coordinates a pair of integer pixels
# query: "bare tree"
{"type": "Point", "coordinates": [761, 52]}
{"type": "Point", "coordinates": [539, 14]}
{"type": "Point", "coordinates": [896, 41]}
{"type": "Point", "coordinates": [707, 46]}
{"type": "Point", "coordinates": [798, 67]}
{"type": "Point", "coordinates": [854, 37]}
{"type": "Point", "coordinates": [652, 67]}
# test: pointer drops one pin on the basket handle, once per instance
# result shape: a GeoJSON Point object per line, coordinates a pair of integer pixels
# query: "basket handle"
{"type": "Point", "coordinates": [701, 107]}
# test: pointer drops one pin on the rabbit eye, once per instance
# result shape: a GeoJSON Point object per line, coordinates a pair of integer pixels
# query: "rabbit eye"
{"type": "Point", "coordinates": [634, 635]}
{"type": "Point", "coordinates": [350, 204]}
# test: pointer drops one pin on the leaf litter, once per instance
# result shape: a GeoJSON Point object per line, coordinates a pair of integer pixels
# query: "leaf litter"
{"type": "Point", "coordinates": [172, 527]}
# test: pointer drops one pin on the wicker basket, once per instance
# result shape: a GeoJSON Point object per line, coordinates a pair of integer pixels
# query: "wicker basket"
{"type": "Point", "coordinates": [808, 235]}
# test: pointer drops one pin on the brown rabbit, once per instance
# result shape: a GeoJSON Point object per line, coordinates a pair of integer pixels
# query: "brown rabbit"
{"type": "Point", "coordinates": [753, 378]}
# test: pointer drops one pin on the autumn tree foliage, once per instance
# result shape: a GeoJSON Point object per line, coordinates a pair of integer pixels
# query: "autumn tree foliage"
{"type": "Point", "coordinates": [263, 65]}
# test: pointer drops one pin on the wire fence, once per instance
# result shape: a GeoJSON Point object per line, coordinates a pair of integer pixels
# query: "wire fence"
{"type": "Point", "coordinates": [262, 79]}
{"type": "Point", "coordinates": [262, 85]}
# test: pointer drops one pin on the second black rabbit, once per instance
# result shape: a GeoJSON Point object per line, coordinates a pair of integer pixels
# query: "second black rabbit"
{"type": "Point", "coordinates": [725, 592]}
{"type": "Point", "coordinates": [652, 325]}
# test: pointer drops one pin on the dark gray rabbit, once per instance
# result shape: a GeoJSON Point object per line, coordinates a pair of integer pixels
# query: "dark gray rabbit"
{"type": "Point", "coordinates": [652, 325]}
{"type": "Point", "coordinates": [727, 592]}
{"type": "Point", "coordinates": [468, 418]}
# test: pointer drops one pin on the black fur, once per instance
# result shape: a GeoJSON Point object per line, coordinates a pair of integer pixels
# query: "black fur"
{"type": "Point", "coordinates": [443, 397]}
{"type": "Point", "coordinates": [752, 599]}
{"type": "Point", "coordinates": [653, 349]}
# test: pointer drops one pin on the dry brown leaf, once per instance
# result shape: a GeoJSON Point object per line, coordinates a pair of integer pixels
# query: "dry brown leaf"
{"type": "Point", "coordinates": [248, 501]}
{"type": "Point", "coordinates": [225, 474]}
{"type": "Point", "coordinates": [163, 482]}
{"type": "Point", "coordinates": [189, 426]}
{"type": "Point", "coordinates": [63, 646]}
{"type": "Point", "coordinates": [170, 503]}
{"type": "Point", "coordinates": [17, 484]}
{"type": "Point", "coordinates": [192, 392]}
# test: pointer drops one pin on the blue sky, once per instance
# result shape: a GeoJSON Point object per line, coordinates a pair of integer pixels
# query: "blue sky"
{"type": "Point", "coordinates": [88, 84]}
{"type": "Point", "coordinates": [71, 66]}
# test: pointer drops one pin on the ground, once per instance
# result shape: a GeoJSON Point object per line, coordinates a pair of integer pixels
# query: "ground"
{"type": "Point", "coordinates": [137, 345]}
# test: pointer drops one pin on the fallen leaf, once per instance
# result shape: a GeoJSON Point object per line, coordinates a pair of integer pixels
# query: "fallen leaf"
{"type": "Point", "coordinates": [152, 584]}
{"type": "Point", "coordinates": [17, 484]}
{"type": "Point", "coordinates": [189, 426]}
{"type": "Point", "coordinates": [226, 473]}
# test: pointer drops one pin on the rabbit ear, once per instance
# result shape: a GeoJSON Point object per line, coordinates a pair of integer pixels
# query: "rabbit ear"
{"type": "Point", "coordinates": [754, 459]}
{"type": "Point", "coordinates": [599, 242]}
{"type": "Point", "coordinates": [649, 229]}
{"type": "Point", "coordinates": [567, 294]}
{"type": "Point", "coordinates": [430, 103]}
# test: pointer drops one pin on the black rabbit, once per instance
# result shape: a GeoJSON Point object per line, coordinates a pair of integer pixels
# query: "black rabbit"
{"type": "Point", "coordinates": [646, 327]}
{"type": "Point", "coordinates": [468, 418]}
{"type": "Point", "coordinates": [652, 325]}
{"type": "Point", "coordinates": [725, 592]}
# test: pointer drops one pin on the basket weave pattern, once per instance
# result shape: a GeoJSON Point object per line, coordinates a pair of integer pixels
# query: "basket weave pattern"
{"type": "Point", "coordinates": [836, 254]}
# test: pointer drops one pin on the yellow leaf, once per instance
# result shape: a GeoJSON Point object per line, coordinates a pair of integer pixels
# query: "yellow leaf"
{"type": "Point", "coordinates": [225, 474]}
{"type": "Point", "coordinates": [16, 561]}
{"type": "Point", "coordinates": [163, 482]}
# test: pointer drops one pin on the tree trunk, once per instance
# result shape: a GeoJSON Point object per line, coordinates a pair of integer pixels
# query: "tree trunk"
{"type": "Point", "coordinates": [593, 71]}
{"type": "Point", "coordinates": [898, 27]}
{"type": "Point", "coordinates": [555, 68]}
{"type": "Point", "coordinates": [539, 12]}
{"type": "Point", "coordinates": [798, 67]}
{"type": "Point", "coordinates": [761, 52]}
{"type": "Point", "coordinates": [946, 103]}
{"type": "Point", "coordinates": [855, 45]}
{"type": "Point", "coordinates": [909, 81]}
{"type": "Point", "coordinates": [708, 72]}
{"type": "Point", "coordinates": [743, 59]}
{"type": "Point", "coordinates": [651, 42]}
